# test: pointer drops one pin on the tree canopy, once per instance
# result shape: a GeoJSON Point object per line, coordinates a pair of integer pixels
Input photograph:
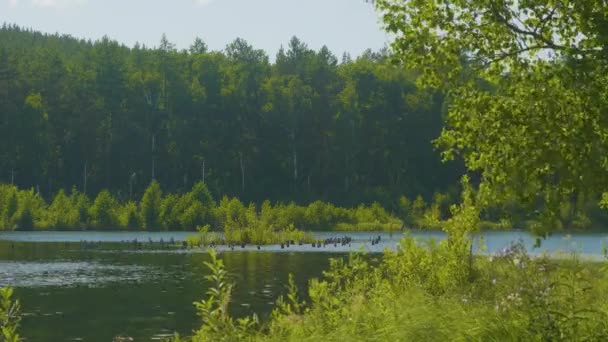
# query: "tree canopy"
{"type": "Point", "coordinates": [100, 115]}
{"type": "Point", "coordinates": [526, 91]}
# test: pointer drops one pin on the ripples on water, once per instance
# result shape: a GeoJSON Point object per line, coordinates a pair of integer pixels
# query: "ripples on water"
{"type": "Point", "coordinates": [65, 273]}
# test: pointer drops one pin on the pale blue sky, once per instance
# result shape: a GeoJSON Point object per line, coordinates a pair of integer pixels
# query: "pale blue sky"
{"type": "Point", "coordinates": [342, 25]}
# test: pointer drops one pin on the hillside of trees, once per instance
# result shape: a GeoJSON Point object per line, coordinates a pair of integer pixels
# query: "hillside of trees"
{"type": "Point", "coordinates": [308, 126]}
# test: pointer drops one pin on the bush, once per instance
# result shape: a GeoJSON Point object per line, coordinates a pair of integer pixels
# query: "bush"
{"type": "Point", "coordinates": [103, 211]}
{"type": "Point", "coordinates": [10, 204]}
{"type": "Point", "coordinates": [195, 208]}
{"type": "Point", "coordinates": [30, 211]}
{"type": "Point", "coordinates": [168, 212]}
{"type": "Point", "coordinates": [128, 216]}
{"type": "Point", "coordinates": [151, 207]}
{"type": "Point", "coordinates": [82, 204]}
{"type": "Point", "coordinates": [63, 213]}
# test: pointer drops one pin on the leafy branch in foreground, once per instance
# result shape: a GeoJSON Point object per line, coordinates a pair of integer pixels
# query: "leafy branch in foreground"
{"type": "Point", "coordinates": [9, 316]}
{"type": "Point", "coordinates": [218, 325]}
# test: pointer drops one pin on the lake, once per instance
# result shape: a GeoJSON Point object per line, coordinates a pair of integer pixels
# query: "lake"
{"type": "Point", "coordinates": [76, 291]}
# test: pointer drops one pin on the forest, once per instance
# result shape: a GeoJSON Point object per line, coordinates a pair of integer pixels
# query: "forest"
{"type": "Point", "coordinates": [308, 126]}
{"type": "Point", "coordinates": [85, 117]}
{"type": "Point", "coordinates": [91, 132]}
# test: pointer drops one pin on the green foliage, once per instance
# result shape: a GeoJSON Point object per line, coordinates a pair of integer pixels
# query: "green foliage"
{"type": "Point", "coordinates": [30, 211]}
{"type": "Point", "coordinates": [204, 237]}
{"type": "Point", "coordinates": [357, 302]}
{"type": "Point", "coordinates": [167, 211]}
{"type": "Point", "coordinates": [195, 208]}
{"type": "Point", "coordinates": [246, 225]}
{"type": "Point", "coordinates": [64, 213]}
{"type": "Point", "coordinates": [103, 211]}
{"type": "Point", "coordinates": [291, 305]}
{"type": "Point", "coordinates": [128, 216]}
{"type": "Point", "coordinates": [434, 291]}
{"type": "Point", "coordinates": [201, 193]}
{"type": "Point", "coordinates": [303, 127]}
{"type": "Point", "coordinates": [9, 202]}
{"type": "Point", "coordinates": [151, 207]}
{"type": "Point", "coordinates": [406, 211]}
{"type": "Point", "coordinates": [25, 209]}
{"type": "Point", "coordinates": [82, 204]}
{"type": "Point", "coordinates": [218, 325]}
{"type": "Point", "coordinates": [524, 83]}
{"type": "Point", "coordinates": [418, 206]}
{"type": "Point", "coordinates": [9, 316]}
{"type": "Point", "coordinates": [544, 299]}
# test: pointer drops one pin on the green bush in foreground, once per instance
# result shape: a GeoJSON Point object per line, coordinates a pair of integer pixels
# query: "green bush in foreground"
{"type": "Point", "coordinates": [9, 316]}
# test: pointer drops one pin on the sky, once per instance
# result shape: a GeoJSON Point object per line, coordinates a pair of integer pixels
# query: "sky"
{"type": "Point", "coordinates": [343, 25]}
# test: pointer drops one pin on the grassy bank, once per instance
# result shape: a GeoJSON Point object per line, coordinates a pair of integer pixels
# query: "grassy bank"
{"type": "Point", "coordinates": [429, 291]}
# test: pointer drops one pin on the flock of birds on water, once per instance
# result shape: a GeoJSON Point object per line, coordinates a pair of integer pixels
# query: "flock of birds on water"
{"type": "Point", "coordinates": [171, 243]}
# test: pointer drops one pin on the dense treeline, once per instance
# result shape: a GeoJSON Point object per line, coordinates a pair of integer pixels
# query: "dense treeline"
{"type": "Point", "coordinates": [155, 209]}
{"type": "Point", "coordinates": [99, 115]}
{"type": "Point", "coordinates": [27, 210]}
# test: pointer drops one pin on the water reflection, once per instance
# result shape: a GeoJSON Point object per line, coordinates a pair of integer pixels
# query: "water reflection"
{"type": "Point", "coordinates": [95, 296]}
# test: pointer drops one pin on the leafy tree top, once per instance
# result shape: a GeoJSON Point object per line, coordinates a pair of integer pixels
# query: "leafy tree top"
{"type": "Point", "coordinates": [527, 84]}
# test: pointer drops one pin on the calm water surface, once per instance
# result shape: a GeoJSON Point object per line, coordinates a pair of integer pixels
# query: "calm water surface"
{"type": "Point", "coordinates": [75, 291]}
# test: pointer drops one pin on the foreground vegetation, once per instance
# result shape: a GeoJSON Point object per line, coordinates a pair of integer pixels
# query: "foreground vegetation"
{"type": "Point", "coordinates": [510, 297]}
{"type": "Point", "coordinates": [428, 292]}
{"type": "Point", "coordinates": [9, 316]}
